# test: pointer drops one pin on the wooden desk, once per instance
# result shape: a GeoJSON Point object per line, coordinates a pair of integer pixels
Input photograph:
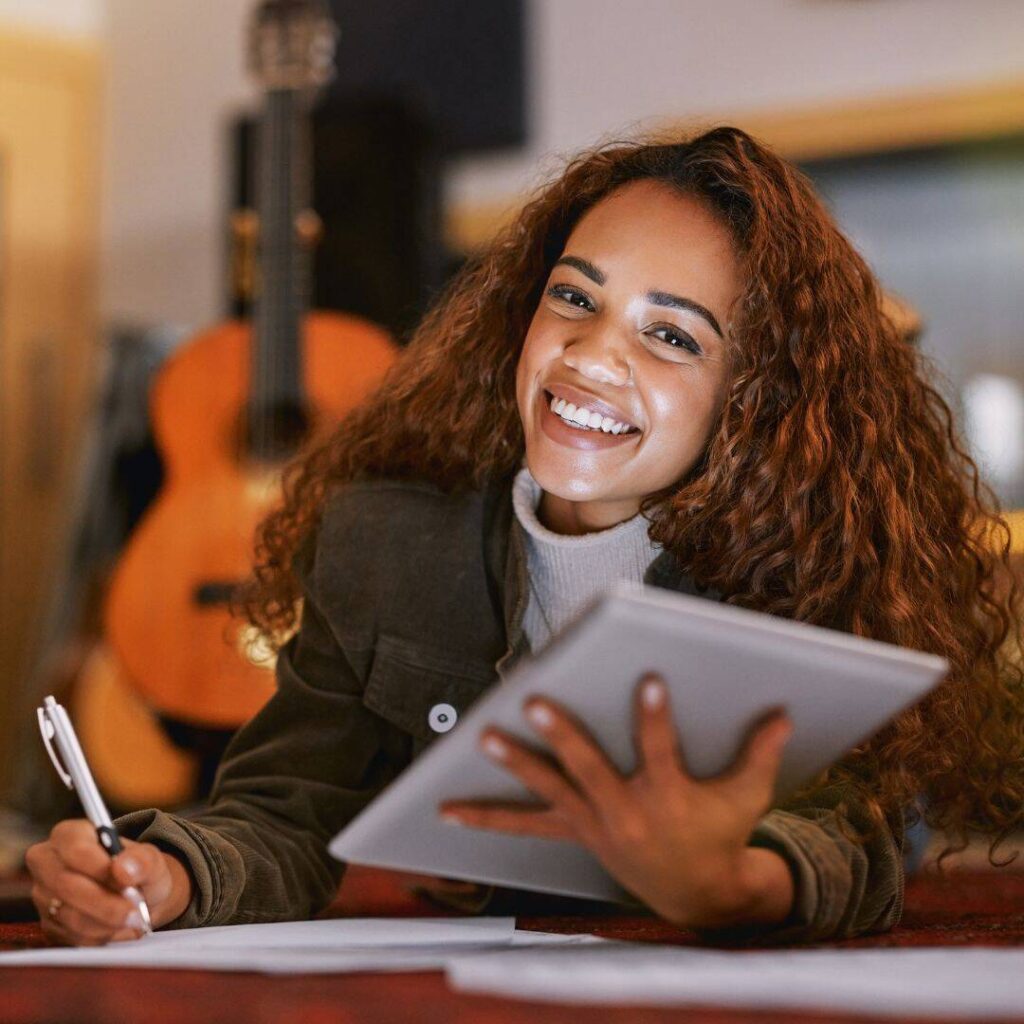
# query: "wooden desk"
{"type": "Point", "coordinates": [969, 908]}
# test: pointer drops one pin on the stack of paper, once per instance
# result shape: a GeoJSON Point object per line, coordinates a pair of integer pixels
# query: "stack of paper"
{"type": "Point", "coordinates": [963, 982]}
{"type": "Point", "coordinates": [303, 947]}
{"type": "Point", "coordinates": [488, 955]}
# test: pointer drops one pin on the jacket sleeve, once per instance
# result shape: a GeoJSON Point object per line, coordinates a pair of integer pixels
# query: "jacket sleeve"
{"type": "Point", "coordinates": [304, 766]}
{"type": "Point", "coordinates": [844, 886]}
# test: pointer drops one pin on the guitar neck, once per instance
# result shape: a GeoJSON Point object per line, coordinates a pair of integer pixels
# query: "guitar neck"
{"type": "Point", "coordinates": [283, 191]}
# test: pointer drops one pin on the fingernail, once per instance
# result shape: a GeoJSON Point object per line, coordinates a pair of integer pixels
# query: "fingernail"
{"type": "Point", "coordinates": [653, 695]}
{"type": "Point", "coordinates": [134, 920]}
{"type": "Point", "coordinates": [494, 747]}
{"type": "Point", "coordinates": [540, 716]}
{"type": "Point", "coordinates": [450, 818]}
{"type": "Point", "coordinates": [130, 867]}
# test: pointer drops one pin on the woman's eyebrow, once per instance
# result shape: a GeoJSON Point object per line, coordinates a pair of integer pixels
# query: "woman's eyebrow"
{"type": "Point", "coordinates": [688, 305]}
{"type": "Point", "coordinates": [667, 299]}
{"type": "Point", "coordinates": [585, 267]}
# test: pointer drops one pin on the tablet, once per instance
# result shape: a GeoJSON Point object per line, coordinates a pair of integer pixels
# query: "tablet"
{"type": "Point", "coordinates": [725, 667]}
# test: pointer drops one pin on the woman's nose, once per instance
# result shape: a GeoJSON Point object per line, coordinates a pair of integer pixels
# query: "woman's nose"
{"type": "Point", "coordinates": [599, 355]}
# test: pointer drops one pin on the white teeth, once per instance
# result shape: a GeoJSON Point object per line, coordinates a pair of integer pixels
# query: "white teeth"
{"type": "Point", "coordinates": [585, 419]}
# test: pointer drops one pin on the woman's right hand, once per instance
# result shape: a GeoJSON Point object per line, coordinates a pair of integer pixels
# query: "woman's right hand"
{"type": "Point", "coordinates": [77, 889]}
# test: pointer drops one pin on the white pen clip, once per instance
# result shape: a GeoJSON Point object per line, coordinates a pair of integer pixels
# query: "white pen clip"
{"type": "Point", "coordinates": [47, 729]}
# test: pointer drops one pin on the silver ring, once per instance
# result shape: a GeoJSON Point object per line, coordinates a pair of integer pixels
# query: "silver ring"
{"type": "Point", "coordinates": [54, 908]}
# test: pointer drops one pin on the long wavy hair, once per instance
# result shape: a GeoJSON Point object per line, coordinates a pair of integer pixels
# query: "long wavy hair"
{"type": "Point", "coordinates": [833, 489]}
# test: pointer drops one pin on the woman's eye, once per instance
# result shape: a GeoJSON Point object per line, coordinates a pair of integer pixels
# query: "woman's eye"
{"type": "Point", "coordinates": [571, 295]}
{"type": "Point", "coordinates": [677, 340]}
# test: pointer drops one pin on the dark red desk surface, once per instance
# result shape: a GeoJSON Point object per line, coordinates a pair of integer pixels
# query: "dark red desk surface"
{"type": "Point", "coordinates": [965, 908]}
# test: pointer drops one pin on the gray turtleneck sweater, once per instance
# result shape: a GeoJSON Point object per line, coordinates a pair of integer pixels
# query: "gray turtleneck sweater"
{"type": "Point", "coordinates": [566, 572]}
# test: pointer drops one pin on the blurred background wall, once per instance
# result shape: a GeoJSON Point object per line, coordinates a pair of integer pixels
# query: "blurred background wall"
{"type": "Point", "coordinates": [76, 18]}
{"type": "Point", "coordinates": [50, 126]}
{"type": "Point", "coordinates": [175, 73]}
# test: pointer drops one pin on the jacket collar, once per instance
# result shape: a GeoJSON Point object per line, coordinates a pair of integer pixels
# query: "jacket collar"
{"type": "Point", "coordinates": [665, 572]}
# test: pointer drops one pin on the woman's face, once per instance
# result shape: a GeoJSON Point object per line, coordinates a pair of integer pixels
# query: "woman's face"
{"type": "Point", "coordinates": [632, 336]}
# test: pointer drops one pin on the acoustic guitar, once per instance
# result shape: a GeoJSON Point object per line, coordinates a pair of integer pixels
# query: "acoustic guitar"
{"type": "Point", "coordinates": [228, 409]}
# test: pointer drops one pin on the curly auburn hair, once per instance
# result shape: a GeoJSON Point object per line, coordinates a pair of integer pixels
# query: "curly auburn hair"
{"type": "Point", "coordinates": [833, 490]}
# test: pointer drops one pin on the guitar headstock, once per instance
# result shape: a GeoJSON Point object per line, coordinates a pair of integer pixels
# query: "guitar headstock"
{"type": "Point", "coordinates": [291, 44]}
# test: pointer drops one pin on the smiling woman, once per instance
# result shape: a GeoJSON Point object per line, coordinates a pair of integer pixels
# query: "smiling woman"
{"type": "Point", "coordinates": [671, 367]}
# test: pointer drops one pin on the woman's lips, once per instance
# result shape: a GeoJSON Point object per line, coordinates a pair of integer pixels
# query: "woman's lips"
{"type": "Point", "coordinates": [585, 399]}
{"type": "Point", "coordinates": [571, 437]}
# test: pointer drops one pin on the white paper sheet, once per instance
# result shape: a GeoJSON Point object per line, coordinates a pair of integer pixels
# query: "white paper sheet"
{"type": "Point", "coordinates": [304, 947]}
{"type": "Point", "coordinates": [963, 982]}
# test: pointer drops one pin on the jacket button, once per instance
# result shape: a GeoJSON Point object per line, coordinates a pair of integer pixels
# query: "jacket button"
{"type": "Point", "coordinates": [442, 717]}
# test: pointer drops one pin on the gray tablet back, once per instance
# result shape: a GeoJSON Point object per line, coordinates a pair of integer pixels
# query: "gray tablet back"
{"type": "Point", "coordinates": [725, 668]}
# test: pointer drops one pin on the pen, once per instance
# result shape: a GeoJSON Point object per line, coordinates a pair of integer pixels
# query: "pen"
{"type": "Point", "coordinates": [55, 725]}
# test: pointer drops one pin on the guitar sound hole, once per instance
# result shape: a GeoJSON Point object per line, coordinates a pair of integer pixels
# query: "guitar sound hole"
{"type": "Point", "coordinates": [276, 433]}
{"type": "Point", "coordinates": [214, 593]}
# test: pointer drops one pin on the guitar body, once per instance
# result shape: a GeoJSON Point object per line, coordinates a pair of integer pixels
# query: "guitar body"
{"type": "Point", "coordinates": [166, 615]}
{"type": "Point", "coordinates": [134, 763]}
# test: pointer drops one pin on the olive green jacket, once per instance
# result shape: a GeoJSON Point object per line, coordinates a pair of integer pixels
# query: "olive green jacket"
{"type": "Point", "coordinates": [415, 598]}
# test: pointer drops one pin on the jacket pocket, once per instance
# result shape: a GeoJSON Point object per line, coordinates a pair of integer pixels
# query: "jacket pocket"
{"type": "Point", "coordinates": [418, 688]}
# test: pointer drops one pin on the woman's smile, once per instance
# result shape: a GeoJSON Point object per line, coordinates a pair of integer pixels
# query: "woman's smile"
{"type": "Point", "coordinates": [577, 419]}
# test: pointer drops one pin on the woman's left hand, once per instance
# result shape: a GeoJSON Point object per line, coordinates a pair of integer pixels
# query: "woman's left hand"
{"type": "Point", "coordinates": [677, 843]}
